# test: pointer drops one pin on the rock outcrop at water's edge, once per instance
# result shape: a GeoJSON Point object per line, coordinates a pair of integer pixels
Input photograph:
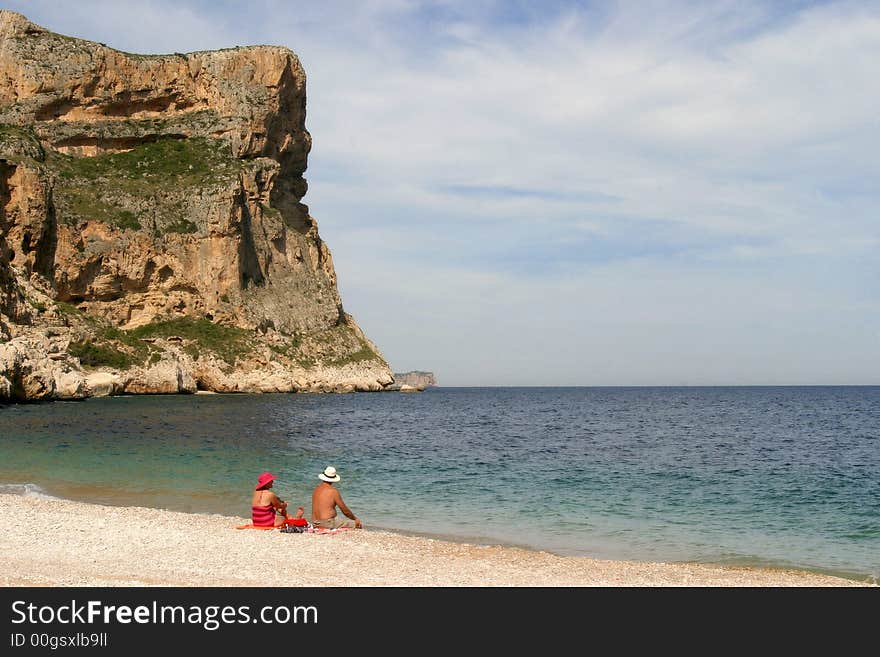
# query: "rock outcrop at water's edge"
{"type": "Point", "coordinates": [152, 234]}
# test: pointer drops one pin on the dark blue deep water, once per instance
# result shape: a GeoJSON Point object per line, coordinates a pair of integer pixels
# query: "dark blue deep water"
{"type": "Point", "coordinates": [768, 476]}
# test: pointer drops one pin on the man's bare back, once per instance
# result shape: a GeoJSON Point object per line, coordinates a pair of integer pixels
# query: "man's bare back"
{"type": "Point", "coordinates": [324, 501]}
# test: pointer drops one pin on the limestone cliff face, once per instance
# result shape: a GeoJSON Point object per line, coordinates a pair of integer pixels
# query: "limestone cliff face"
{"type": "Point", "coordinates": [152, 234]}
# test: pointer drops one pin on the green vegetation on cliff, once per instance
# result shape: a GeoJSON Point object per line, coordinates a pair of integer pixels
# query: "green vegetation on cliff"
{"type": "Point", "coordinates": [336, 346]}
{"type": "Point", "coordinates": [181, 226]}
{"type": "Point", "coordinates": [109, 346]}
{"type": "Point", "coordinates": [19, 143]}
{"type": "Point", "coordinates": [95, 355]}
{"type": "Point", "coordinates": [228, 342]}
{"type": "Point", "coordinates": [105, 345]}
{"type": "Point", "coordinates": [84, 204]}
{"type": "Point", "coordinates": [113, 347]}
{"type": "Point", "coordinates": [359, 356]}
{"type": "Point", "coordinates": [149, 184]}
{"type": "Point", "coordinates": [177, 162]}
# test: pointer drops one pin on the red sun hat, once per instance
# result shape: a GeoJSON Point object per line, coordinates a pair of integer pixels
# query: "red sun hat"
{"type": "Point", "coordinates": [264, 479]}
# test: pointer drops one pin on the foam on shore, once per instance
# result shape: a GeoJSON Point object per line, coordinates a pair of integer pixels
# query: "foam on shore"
{"type": "Point", "coordinates": [26, 490]}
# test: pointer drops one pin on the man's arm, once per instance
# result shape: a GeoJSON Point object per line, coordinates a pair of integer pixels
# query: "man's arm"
{"type": "Point", "coordinates": [346, 510]}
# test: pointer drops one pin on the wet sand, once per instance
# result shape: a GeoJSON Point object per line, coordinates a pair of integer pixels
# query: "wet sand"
{"type": "Point", "coordinates": [64, 543]}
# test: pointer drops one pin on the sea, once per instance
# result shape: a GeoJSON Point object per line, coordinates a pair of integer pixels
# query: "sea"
{"type": "Point", "coordinates": [782, 477]}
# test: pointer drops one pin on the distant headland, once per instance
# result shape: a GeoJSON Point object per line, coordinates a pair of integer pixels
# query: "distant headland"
{"type": "Point", "coordinates": [413, 381]}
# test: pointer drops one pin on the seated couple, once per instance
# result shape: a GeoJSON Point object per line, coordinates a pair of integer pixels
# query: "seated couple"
{"type": "Point", "coordinates": [270, 511]}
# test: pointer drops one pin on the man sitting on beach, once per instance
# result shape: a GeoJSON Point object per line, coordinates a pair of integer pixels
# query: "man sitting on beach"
{"type": "Point", "coordinates": [325, 499]}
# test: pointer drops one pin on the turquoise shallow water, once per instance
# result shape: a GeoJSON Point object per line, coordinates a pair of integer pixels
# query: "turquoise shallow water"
{"type": "Point", "coordinates": [786, 476]}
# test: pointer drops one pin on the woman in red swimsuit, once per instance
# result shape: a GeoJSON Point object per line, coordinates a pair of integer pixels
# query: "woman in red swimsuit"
{"type": "Point", "coordinates": [266, 508]}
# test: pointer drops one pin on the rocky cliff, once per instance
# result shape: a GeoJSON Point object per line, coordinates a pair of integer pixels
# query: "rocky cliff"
{"type": "Point", "coordinates": [153, 237]}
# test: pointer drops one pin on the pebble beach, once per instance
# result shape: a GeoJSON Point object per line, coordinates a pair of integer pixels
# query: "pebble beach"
{"type": "Point", "coordinates": [50, 542]}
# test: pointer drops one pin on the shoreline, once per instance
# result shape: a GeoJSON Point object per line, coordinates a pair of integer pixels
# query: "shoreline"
{"type": "Point", "coordinates": [52, 542]}
{"type": "Point", "coordinates": [475, 540]}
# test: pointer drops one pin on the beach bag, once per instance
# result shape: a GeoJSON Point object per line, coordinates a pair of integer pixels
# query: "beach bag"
{"type": "Point", "coordinates": [295, 526]}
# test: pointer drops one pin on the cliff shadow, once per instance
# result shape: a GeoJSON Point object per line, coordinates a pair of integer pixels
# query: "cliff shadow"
{"type": "Point", "coordinates": [249, 270]}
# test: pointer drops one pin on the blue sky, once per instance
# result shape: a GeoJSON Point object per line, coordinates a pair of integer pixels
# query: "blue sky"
{"type": "Point", "coordinates": [580, 193]}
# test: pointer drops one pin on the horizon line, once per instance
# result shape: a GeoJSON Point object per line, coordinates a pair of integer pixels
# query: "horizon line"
{"type": "Point", "coordinates": [674, 385]}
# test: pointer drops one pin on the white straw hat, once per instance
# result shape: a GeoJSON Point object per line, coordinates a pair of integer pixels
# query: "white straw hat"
{"type": "Point", "coordinates": [329, 474]}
